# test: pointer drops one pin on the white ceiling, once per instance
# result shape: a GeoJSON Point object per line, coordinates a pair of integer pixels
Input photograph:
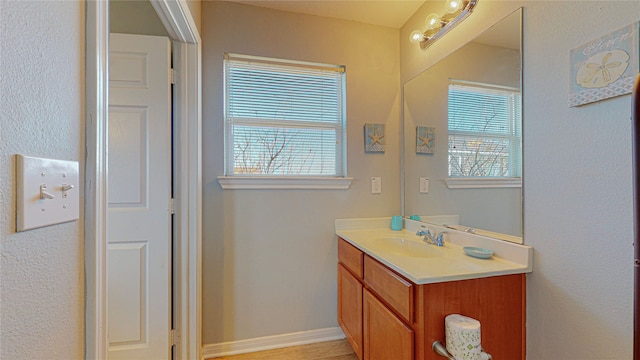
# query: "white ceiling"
{"type": "Point", "coordinates": [389, 13]}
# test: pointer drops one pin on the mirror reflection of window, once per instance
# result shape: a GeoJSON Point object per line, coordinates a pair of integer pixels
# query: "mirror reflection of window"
{"type": "Point", "coordinates": [484, 123]}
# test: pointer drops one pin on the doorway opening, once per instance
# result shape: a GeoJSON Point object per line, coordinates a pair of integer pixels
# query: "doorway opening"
{"type": "Point", "coordinates": [182, 31]}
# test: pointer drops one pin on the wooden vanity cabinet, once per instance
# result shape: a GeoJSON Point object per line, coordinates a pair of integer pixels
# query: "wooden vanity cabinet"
{"type": "Point", "coordinates": [498, 302]}
{"type": "Point", "coordinates": [350, 308]}
{"type": "Point", "coordinates": [350, 267]}
{"type": "Point", "coordinates": [385, 316]}
{"type": "Point", "coordinates": [374, 319]}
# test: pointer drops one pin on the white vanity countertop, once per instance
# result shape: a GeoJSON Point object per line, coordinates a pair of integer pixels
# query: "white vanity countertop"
{"type": "Point", "coordinates": [406, 253]}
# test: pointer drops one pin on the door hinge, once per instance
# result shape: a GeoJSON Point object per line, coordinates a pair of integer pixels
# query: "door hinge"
{"type": "Point", "coordinates": [172, 206]}
{"type": "Point", "coordinates": [172, 75]}
{"type": "Point", "coordinates": [175, 337]}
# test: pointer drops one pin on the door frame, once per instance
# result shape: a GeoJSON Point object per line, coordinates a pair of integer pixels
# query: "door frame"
{"type": "Point", "coordinates": [182, 30]}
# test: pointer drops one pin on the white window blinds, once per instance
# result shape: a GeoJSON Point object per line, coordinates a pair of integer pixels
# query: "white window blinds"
{"type": "Point", "coordinates": [283, 118]}
{"type": "Point", "coordinates": [484, 131]}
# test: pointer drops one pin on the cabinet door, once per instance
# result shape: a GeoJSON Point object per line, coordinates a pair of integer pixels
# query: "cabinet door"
{"type": "Point", "coordinates": [385, 335]}
{"type": "Point", "coordinates": [350, 308]}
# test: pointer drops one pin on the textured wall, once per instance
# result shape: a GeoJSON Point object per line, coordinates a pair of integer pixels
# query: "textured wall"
{"type": "Point", "coordinates": [577, 180]}
{"type": "Point", "coordinates": [269, 258]}
{"type": "Point", "coordinates": [42, 87]}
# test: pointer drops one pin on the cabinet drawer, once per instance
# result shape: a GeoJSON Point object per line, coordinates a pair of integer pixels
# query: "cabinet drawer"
{"type": "Point", "coordinates": [350, 257]}
{"type": "Point", "coordinates": [391, 287]}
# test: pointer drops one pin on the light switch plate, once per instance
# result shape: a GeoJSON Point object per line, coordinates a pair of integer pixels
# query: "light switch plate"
{"type": "Point", "coordinates": [376, 185]}
{"type": "Point", "coordinates": [424, 185]}
{"type": "Point", "coordinates": [48, 192]}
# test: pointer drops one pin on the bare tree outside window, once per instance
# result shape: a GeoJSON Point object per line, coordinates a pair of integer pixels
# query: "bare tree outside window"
{"type": "Point", "coordinates": [283, 118]}
{"type": "Point", "coordinates": [484, 132]}
{"type": "Point", "coordinates": [478, 156]}
{"type": "Point", "coordinates": [272, 151]}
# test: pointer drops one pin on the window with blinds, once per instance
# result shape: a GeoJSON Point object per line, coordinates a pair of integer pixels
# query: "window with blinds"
{"type": "Point", "coordinates": [484, 131]}
{"type": "Point", "coordinates": [283, 118]}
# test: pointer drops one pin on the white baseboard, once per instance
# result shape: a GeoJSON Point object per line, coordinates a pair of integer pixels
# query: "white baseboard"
{"type": "Point", "coordinates": [210, 351]}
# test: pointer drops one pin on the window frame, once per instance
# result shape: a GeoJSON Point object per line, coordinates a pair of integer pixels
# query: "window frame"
{"type": "Point", "coordinates": [511, 181]}
{"type": "Point", "coordinates": [231, 180]}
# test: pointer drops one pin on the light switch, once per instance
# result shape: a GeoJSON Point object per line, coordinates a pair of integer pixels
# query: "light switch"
{"type": "Point", "coordinates": [47, 192]}
{"type": "Point", "coordinates": [424, 185]}
{"type": "Point", "coordinates": [376, 185]}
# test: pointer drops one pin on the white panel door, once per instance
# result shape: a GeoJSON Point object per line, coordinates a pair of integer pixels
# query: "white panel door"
{"type": "Point", "coordinates": [139, 181]}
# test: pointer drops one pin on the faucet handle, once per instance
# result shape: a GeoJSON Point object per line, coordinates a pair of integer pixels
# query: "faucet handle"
{"type": "Point", "coordinates": [423, 232]}
{"type": "Point", "coordinates": [440, 239]}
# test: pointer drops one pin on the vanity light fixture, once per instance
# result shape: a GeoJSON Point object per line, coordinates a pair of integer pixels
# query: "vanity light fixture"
{"type": "Point", "coordinates": [437, 25]}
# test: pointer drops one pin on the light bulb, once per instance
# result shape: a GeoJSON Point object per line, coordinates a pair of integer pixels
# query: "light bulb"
{"type": "Point", "coordinates": [416, 36]}
{"type": "Point", "coordinates": [453, 6]}
{"type": "Point", "coordinates": [432, 21]}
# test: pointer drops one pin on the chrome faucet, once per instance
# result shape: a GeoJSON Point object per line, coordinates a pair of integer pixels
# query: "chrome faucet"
{"type": "Point", "coordinates": [438, 240]}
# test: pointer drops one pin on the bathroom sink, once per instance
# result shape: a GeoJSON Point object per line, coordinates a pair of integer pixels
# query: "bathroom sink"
{"type": "Point", "coordinates": [404, 247]}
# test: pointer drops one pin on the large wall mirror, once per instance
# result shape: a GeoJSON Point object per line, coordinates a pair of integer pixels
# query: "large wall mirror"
{"type": "Point", "coordinates": [462, 133]}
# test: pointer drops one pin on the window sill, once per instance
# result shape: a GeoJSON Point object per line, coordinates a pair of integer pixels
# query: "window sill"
{"type": "Point", "coordinates": [479, 183]}
{"type": "Point", "coordinates": [283, 183]}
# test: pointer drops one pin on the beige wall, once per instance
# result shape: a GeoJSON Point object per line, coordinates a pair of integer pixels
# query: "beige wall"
{"type": "Point", "coordinates": [195, 8]}
{"type": "Point", "coordinates": [135, 17]}
{"type": "Point", "coordinates": [139, 17]}
{"type": "Point", "coordinates": [577, 179]}
{"type": "Point", "coordinates": [42, 87]}
{"type": "Point", "coordinates": [269, 257]}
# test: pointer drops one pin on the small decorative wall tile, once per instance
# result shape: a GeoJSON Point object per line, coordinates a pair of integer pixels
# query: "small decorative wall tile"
{"type": "Point", "coordinates": [374, 138]}
{"type": "Point", "coordinates": [605, 67]}
{"type": "Point", "coordinates": [425, 139]}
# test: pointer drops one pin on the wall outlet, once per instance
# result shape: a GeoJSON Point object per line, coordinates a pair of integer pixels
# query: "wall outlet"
{"type": "Point", "coordinates": [424, 185]}
{"type": "Point", "coordinates": [376, 185]}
